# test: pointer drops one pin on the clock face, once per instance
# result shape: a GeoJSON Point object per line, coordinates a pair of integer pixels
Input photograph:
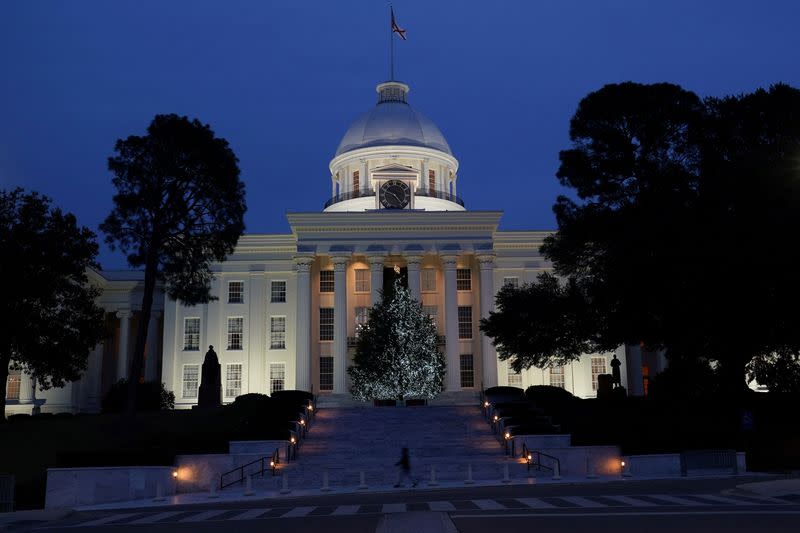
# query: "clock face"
{"type": "Point", "coordinates": [395, 194]}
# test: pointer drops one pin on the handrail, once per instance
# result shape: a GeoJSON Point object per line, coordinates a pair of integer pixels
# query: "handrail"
{"type": "Point", "coordinates": [534, 457]}
{"type": "Point", "coordinates": [270, 462]}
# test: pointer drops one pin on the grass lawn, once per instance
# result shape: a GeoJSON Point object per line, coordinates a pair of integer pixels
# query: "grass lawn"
{"type": "Point", "coordinates": [29, 446]}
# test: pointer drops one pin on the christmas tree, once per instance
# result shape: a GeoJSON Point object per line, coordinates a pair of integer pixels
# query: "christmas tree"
{"type": "Point", "coordinates": [396, 352]}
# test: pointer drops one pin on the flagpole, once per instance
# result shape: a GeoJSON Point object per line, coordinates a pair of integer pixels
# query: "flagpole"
{"type": "Point", "coordinates": [391, 48]}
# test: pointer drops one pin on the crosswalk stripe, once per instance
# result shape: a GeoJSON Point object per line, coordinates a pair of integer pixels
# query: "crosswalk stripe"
{"type": "Point", "coordinates": [441, 506]}
{"type": "Point", "coordinates": [722, 499]}
{"type": "Point", "coordinates": [488, 505]}
{"type": "Point", "coordinates": [153, 518]}
{"type": "Point", "coordinates": [107, 519]}
{"type": "Point", "coordinates": [298, 511]}
{"type": "Point", "coordinates": [394, 508]}
{"type": "Point", "coordinates": [535, 503]}
{"type": "Point", "coordinates": [582, 502]}
{"type": "Point", "coordinates": [674, 499]}
{"type": "Point", "coordinates": [346, 509]}
{"type": "Point", "coordinates": [205, 515]}
{"type": "Point", "coordinates": [627, 500]}
{"type": "Point", "coordinates": [249, 515]}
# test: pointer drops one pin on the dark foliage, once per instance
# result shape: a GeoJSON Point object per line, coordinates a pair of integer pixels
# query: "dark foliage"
{"type": "Point", "coordinates": [179, 206]}
{"type": "Point", "coordinates": [563, 325]}
{"type": "Point", "coordinates": [504, 394]}
{"type": "Point", "coordinates": [150, 396]}
{"type": "Point", "coordinates": [49, 321]}
{"type": "Point", "coordinates": [549, 397]}
{"type": "Point", "coordinates": [298, 397]}
{"type": "Point", "coordinates": [676, 236]}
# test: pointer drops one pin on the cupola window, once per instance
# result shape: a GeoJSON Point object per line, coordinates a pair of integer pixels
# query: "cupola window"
{"type": "Point", "coordinates": [356, 183]}
{"type": "Point", "coordinates": [432, 181]}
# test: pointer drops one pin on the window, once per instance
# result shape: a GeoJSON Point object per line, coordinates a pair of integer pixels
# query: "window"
{"type": "Point", "coordinates": [432, 311]}
{"type": "Point", "coordinates": [191, 334]}
{"type": "Point", "coordinates": [235, 292]}
{"type": "Point", "coordinates": [191, 375]}
{"type": "Point", "coordinates": [511, 280]}
{"type": "Point", "coordinates": [277, 332]}
{"type": "Point", "coordinates": [557, 376]}
{"type": "Point", "coordinates": [235, 332]}
{"type": "Point", "coordinates": [598, 367]}
{"type": "Point", "coordinates": [233, 380]}
{"type": "Point", "coordinates": [356, 182]}
{"type": "Point", "coordinates": [13, 383]}
{"type": "Point", "coordinates": [277, 377]}
{"type": "Point", "coordinates": [362, 315]}
{"type": "Point", "coordinates": [362, 280]}
{"type": "Point", "coordinates": [326, 281]}
{"type": "Point", "coordinates": [278, 292]}
{"type": "Point", "coordinates": [464, 279]}
{"type": "Point", "coordinates": [432, 181]}
{"type": "Point", "coordinates": [467, 371]}
{"type": "Point", "coordinates": [464, 322]}
{"type": "Point", "coordinates": [514, 378]}
{"type": "Point", "coordinates": [326, 323]}
{"type": "Point", "coordinates": [428, 280]}
{"type": "Point", "coordinates": [326, 373]}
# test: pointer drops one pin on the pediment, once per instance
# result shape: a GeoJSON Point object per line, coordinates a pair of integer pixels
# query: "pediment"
{"type": "Point", "coordinates": [394, 171]}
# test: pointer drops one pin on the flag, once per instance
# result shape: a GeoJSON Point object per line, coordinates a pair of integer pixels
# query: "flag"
{"type": "Point", "coordinates": [397, 29]}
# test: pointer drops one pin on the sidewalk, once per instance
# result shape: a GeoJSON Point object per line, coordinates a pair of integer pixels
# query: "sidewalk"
{"type": "Point", "coordinates": [774, 489]}
{"type": "Point", "coordinates": [237, 494]}
{"type": "Point", "coordinates": [32, 517]}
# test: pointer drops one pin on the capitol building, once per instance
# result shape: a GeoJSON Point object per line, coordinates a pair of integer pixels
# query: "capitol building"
{"type": "Point", "coordinates": [289, 305]}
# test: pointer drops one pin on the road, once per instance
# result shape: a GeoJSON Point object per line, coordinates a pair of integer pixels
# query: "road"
{"type": "Point", "coordinates": [706, 505]}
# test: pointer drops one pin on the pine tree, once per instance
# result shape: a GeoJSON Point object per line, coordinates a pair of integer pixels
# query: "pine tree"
{"type": "Point", "coordinates": [396, 353]}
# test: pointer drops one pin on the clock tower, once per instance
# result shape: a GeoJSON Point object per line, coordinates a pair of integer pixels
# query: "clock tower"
{"type": "Point", "coordinates": [393, 158]}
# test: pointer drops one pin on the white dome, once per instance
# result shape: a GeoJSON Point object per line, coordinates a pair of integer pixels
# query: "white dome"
{"type": "Point", "coordinates": [393, 122]}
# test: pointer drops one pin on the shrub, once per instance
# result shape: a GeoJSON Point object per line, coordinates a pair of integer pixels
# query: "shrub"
{"type": "Point", "coordinates": [504, 394]}
{"type": "Point", "coordinates": [296, 397]}
{"type": "Point", "coordinates": [150, 396]}
{"type": "Point", "coordinates": [548, 397]}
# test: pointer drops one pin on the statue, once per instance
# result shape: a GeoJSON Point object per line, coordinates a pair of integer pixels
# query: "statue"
{"type": "Point", "coordinates": [210, 381]}
{"type": "Point", "coordinates": [616, 377]}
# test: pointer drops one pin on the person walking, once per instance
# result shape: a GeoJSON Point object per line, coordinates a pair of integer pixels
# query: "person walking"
{"type": "Point", "coordinates": [405, 469]}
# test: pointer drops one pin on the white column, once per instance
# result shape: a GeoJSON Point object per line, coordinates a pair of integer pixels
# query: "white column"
{"type": "Point", "coordinates": [413, 263]}
{"type": "Point", "coordinates": [91, 380]}
{"type": "Point", "coordinates": [339, 324]}
{"type": "Point", "coordinates": [256, 300]}
{"type": "Point", "coordinates": [489, 360]}
{"type": "Point", "coordinates": [26, 384]}
{"type": "Point", "coordinates": [363, 177]}
{"type": "Point", "coordinates": [303, 326]}
{"type": "Point", "coordinates": [423, 179]}
{"type": "Point", "coordinates": [376, 280]}
{"type": "Point", "coordinates": [453, 379]}
{"type": "Point", "coordinates": [123, 357]}
{"type": "Point", "coordinates": [635, 378]}
{"type": "Point", "coordinates": [152, 363]}
{"type": "Point", "coordinates": [216, 325]}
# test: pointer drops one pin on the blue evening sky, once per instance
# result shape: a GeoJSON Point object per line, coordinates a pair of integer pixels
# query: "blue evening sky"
{"type": "Point", "coordinates": [283, 80]}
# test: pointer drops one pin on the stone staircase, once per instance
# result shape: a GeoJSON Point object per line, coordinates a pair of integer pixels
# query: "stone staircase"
{"type": "Point", "coordinates": [345, 441]}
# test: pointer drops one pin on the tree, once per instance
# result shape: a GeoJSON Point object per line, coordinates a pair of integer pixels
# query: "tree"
{"type": "Point", "coordinates": [49, 321]}
{"type": "Point", "coordinates": [529, 322]}
{"type": "Point", "coordinates": [179, 206]}
{"type": "Point", "coordinates": [677, 232]}
{"type": "Point", "coordinates": [396, 352]}
{"type": "Point", "coordinates": [779, 372]}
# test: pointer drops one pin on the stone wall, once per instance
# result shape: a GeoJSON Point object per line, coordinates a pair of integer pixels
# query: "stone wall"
{"type": "Point", "coordinates": [71, 487]}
